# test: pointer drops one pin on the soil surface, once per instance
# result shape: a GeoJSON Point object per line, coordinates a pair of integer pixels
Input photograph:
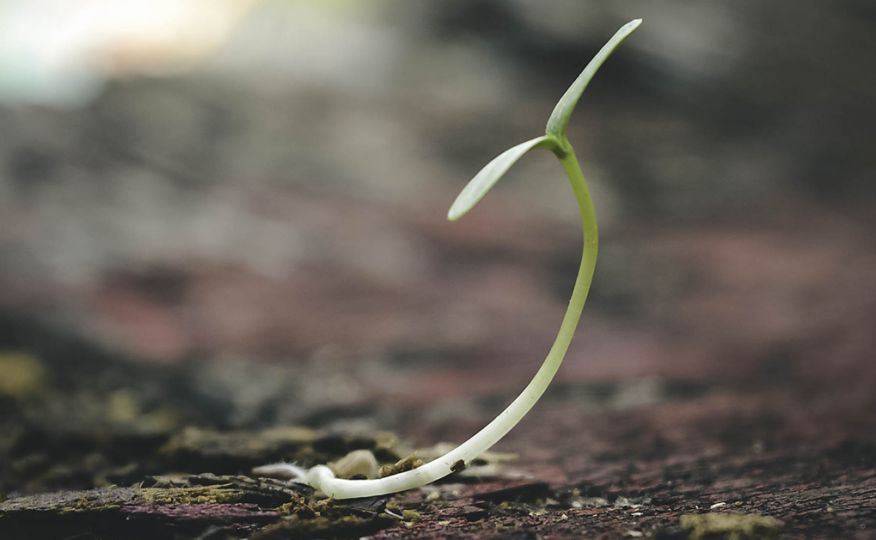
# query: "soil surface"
{"type": "Point", "coordinates": [100, 446]}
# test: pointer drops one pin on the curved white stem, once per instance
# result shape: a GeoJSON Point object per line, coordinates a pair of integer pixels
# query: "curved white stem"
{"type": "Point", "coordinates": [321, 477]}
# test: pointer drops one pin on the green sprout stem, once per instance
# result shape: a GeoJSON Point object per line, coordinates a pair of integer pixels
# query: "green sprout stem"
{"type": "Point", "coordinates": [322, 478]}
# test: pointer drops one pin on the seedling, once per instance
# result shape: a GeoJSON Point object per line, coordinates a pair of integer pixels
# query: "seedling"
{"type": "Point", "coordinates": [323, 479]}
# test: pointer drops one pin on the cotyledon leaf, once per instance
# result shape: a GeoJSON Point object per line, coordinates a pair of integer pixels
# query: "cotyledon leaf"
{"type": "Point", "coordinates": [559, 119]}
{"type": "Point", "coordinates": [484, 180]}
{"type": "Point", "coordinates": [478, 186]}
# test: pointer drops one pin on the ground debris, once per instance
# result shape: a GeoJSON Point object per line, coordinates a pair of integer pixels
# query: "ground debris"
{"type": "Point", "coordinates": [22, 375]}
{"type": "Point", "coordinates": [69, 437]}
{"type": "Point", "coordinates": [411, 461]}
{"type": "Point", "coordinates": [184, 506]}
{"type": "Point", "coordinates": [716, 525]}
{"type": "Point", "coordinates": [229, 451]}
{"type": "Point", "coordinates": [490, 464]}
{"type": "Point", "coordinates": [513, 491]}
{"type": "Point", "coordinates": [133, 512]}
{"type": "Point", "coordinates": [356, 464]}
{"type": "Point", "coordinates": [323, 527]}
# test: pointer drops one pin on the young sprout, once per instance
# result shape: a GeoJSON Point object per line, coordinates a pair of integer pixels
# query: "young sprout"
{"type": "Point", "coordinates": [323, 479]}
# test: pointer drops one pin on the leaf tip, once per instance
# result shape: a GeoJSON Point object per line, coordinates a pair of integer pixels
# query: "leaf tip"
{"type": "Point", "coordinates": [559, 119]}
{"type": "Point", "coordinates": [484, 180]}
{"type": "Point", "coordinates": [454, 213]}
{"type": "Point", "coordinates": [627, 29]}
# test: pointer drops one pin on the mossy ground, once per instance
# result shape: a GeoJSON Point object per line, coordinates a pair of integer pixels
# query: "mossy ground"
{"type": "Point", "coordinates": [88, 457]}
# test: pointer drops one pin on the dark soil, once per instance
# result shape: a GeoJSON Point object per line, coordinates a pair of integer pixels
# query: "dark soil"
{"type": "Point", "coordinates": [143, 451]}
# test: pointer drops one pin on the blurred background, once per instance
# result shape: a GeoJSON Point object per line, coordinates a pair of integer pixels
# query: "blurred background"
{"type": "Point", "coordinates": [241, 203]}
